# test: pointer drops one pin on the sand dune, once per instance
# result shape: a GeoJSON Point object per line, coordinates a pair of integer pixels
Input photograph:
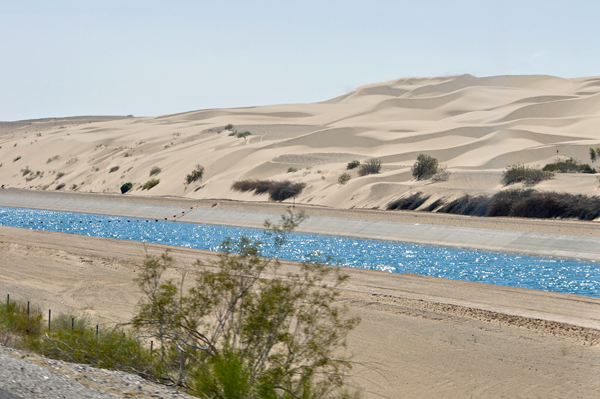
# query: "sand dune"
{"type": "Point", "coordinates": [477, 126]}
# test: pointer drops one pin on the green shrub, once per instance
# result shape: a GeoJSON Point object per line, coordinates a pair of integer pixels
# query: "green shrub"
{"type": "Point", "coordinates": [17, 158]}
{"type": "Point", "coordinates": [352, 165]}
{"type": "Point", "coordinates": [26, 171]}
{"type": "Point", "coordinates": [372, 166]}
{"type": "Point", "coordinates": [424, 167]}
{"type": "Point", "coordinates": [15, 319]}
{"type": "Point", "coordinates": [243, 134]}
{"type": "Point", "coordinates": [126, 155]}
{"type": "Point", "coordinates": [59, 175]}
{"type": "Point", "coordinates": [113, 169]}
{"type": "Point", "coordinates": [344, 178]}
{"type": "Point", "coordinates": [126, 187]}
{"type": "Point", "coordinates": [150, 183]}
{"type": "Point", "coordinates": [155, 170]}
{"type": "Point", "coordinates": [568, 166]}
{"type": "Point", "coordinates": [229, 127]}
{"type": "Point", "coordinates": [54, 158]}
{"type": "Point", "coordinates": [529, 176]}
{"type": "Point", "coordinates": [291, 169]}
{"type": "Point", "coordinates": [60, 186]}
{"type": "Point", "coordinates": [195, 175]}
{"type": "Point", "coordinates": [74, 187]}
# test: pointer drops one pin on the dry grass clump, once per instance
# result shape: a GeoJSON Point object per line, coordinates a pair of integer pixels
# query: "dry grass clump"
{"type": "Point", "coordinates": [409, 203]}
{"type": "Point", "coordinates": [527, 204]}
{"type": "Point", "coordinates": [150, 183]}
{"type": "Point", "coordinates": [568, 166]}
{"type": "Point", "coordinates": [277, 190]}
{"type": "Point", "coordinates": [524, 174]}
{"type": "Point", "coordinates": [372, 166]}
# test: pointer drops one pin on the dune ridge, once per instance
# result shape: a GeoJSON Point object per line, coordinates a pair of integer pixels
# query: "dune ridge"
{"type": "Point", "coordinates": [476, 126]}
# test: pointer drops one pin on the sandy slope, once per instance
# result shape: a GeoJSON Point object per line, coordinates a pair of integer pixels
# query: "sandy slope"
{"type": "Point", "coordinates": [477, 126]}
{"type": "Point", "coordinates": [419, 337]}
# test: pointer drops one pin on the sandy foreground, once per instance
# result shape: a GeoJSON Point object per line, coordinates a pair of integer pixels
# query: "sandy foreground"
{"type": "Point", "coordinates": [419, 336]}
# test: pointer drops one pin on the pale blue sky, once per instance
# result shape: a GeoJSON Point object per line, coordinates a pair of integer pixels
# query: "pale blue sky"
{"type": "Point", "coordinates": [68, 58]}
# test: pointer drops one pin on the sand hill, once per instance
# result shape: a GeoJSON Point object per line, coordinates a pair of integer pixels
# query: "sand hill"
{"type": "Point", "coordinates": [476, 126]}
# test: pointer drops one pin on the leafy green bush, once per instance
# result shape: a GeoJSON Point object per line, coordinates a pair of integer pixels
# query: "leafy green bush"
{"type": "Point", "coordinates": [424, 167]}
{"type": "Point", "coordinates": [352, 165]}
{"type": "Point", "coordinates": [527, 175]}
{"type": "Point", "coordinates": [26, 171]}
{"type": "Point", "coordinates": [372, 166]}
{"type": "Point", "coordinates": [150, 183]}
{"type": "Point", "coordinates": [14, 318]}
{"type": "Point", "coordinates": [195, 175]}
{"type": "Point", "coordinates": [291, 169]}
{"type": "Point", "coordinates": [229, 127]}
{"type": "Point", "coordinates": [60, 186]}
{"type": "Point", "coordinates": [155, 170]}
{"type": "Point", "coordinates": [344, 178]}
{"type": "Point", "coordinates": [568, 166]}
{"type": "Point", "coordinates": [59, 175]}
{"type": "Point", "coordinates": [246, 329]}
{"type": "Point", "coordinates": [126, 187]}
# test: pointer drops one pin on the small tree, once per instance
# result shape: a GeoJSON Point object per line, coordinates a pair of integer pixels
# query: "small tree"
{"type": "Point", "coordinates": [195, 175]}
{"type": "Point", "coordinates": [245, 329]}
{"type": "Point", "coordinates": [593, 155]}
{"type": "Point", "coordinates": [344, 178]}
{"type": "Point", "coordinates": [425, 167]}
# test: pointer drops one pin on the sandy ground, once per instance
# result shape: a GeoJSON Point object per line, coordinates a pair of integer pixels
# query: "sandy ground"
{"type": "Point", "coordinates": [475, 126]}
{"type": "Point", "coordinates": [419, 336]}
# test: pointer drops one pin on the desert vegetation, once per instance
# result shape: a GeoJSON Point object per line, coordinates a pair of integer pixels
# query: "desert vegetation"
{"type": "Point", "coordinates": [150, 183]}
{"type": "Point", "coordinates": [126, 187]}
{"type": "Point", "coordinates": [113, 169]}
{"type": "Point", "coordinates": [277, 190]}
{"type": "Point", "coordinates": [424, 167]}
{"type": "Point", "coordinates": [409, 203]}
{"type": "Point", "coordinates": [568, 166]}
{"type": "Point", "coordinates": [155, 170]}
{"type": "Point", "coordinates": [372, 166]}
{"type": "Point", "coordinates": [524, 174]}
{"type": "Point", "coordinates": [195, 174]}
{"type": "Point", "coordinates": [245, 328]}
{"type": "Point", "coordinates": [344, 178]}
{"type": "Point", "coordinates": [352, 165]}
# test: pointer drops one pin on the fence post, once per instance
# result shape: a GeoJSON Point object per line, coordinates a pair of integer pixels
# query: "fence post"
{"type": "Point", "coordinates": [72, 323]}
{"type": "Point", "coordinates": [27, 310]}
{"type": "Point", "coordinates": [96, 330]}
{"type": "Point", "coordinates": [151, 347]}
{"type": "Point", "coordinates": [49, 319]}
{"type": "Point", "coordinates": [7, 301]}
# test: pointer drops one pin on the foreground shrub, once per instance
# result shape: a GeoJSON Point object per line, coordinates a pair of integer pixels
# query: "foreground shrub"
{"type": "Point", "coordinates": [372, 166]}
{"type": "Point", "coordinates": [525, 174]}
{"type": "Point", "coordinates": [409, 203]}
{"type": "Point", "coordinates": [568, 166]}
{"type": "Point", "coordinates": [424, 167]}
{"type": "Point", "coordinates": [150, 183]}
{"type": "Point", "coordinates": [60, 186]}
{"type": "Point", "coordinates": [16, 322]}
{"type": "Point", "coordinates": [246, 329]}
{"type": "Point", "coordinates": [126, 187]}
{"type": "Point", "coordinates": [155, 170]}
{"type": "Point", "coordinates": [277, 190]}
{"type": "Point", "coordinates": [196, 174]}
{"type": "Point", "coordinates": [291, 169]}
{"type": "Point", "coordinates": [352, 164]}
{"type": "Point", "coordinates": [527, 204]}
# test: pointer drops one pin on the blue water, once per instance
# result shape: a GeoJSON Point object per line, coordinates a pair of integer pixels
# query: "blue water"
{"type": "Point", "coordinates": [559, 275]}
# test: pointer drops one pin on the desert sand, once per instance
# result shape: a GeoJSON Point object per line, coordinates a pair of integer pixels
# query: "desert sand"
{"type": "Point", "coordinates": [476, 126]}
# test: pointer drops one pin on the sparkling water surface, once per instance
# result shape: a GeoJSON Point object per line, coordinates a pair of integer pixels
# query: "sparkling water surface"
{"type": "Point", "coordinates": [559, 275]}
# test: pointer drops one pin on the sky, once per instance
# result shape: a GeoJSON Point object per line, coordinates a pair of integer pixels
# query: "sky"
{"type": "Point", "coordinates": [147, 58]}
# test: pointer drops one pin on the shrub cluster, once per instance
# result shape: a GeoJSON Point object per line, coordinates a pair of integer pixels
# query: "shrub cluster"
{"type": "Point", "coordinates": [524, 174]}
{"type": "Point", "coordinates": [424, 167]}
{"type": "Point", "coordinates": [277, 190]}
{"type": "Point", "coordinates": [150, 183]}
{"type": "Point", "coordinates": [568, 166]}
{"type": "Point", "coordinates": [195, 175]}
{"type": "Point", "coordinates": [372, 166]}
{"type": "Point", "coordinates": [527, 204]}
{"type": "Point", "coordinates": [352, 165]}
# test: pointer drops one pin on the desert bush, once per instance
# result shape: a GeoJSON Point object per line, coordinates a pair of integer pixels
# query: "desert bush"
{"type": "Point", "coordinates": [593, 155]}
{"type": "Point", "coordinates": [14, 318]}
{"type": "Point", "coordinates": [442, 174]}
{"type": "Point", "coordinates": [126, 187]}
{"type": "Point", "coordinates": [195, 175]}
{"type": "Point", "coordinates": [372, 166]}
{"type": "Point", "coordinates": [16, 158]}
{"type": "Point", "coordinates": [60, 186]}
{"type": "Point", "coordinates": [150, 183]}
{"type": "Point", "coordinates": [291, 169]}
{"type": "Point", "coordinates": [113, 169]}
{"type": "Point", "coordinates": [74, 187]}
{"type": "Point", "coordinates": [26, 171]}
{"type": "Point", "coordinates": [54, 158]}
{"type": "Point", "coordinates": [424, 167]}
{"type": "Point", "coordinates": [568, 166]}
{"type": "Point", "coordinates": [352, 165]}
{"type": "Point", "coordinates": [71, 160]}
{"type": "Point", "coordinates": [277, 190]}
{"type": "Point", "coordinates": [527, 175]}
{"type": "Point", "coordinates": [126, 155]}
{"type": "Point", "coordinates": [155, 170]}
{"type": "Point", "coordinates": [246, 329]}
{"type": "Point", "coordinates": [344, 178]}
{"type": "Point", "coordinates": [229, 127]}
{"type": "Point", "coordinates": [59, 175]}
{"type": "Point", "coordinates": [409, 203]}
